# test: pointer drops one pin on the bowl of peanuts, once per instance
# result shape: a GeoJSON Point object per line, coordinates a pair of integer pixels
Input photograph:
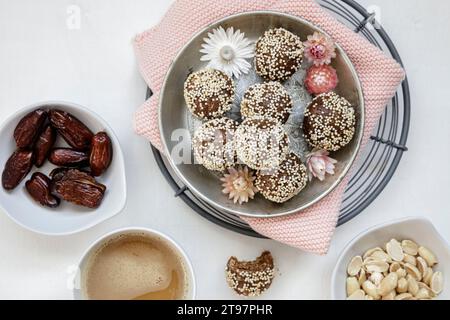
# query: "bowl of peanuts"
{"type": "Point", "coordinates": [404, 259]}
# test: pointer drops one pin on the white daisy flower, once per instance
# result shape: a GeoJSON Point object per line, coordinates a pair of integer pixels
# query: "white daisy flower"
{"type": "Point", "coordinates": [228, 51]}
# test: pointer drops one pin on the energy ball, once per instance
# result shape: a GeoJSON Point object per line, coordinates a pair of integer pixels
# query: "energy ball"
{"type": "Point", "coordinates": [288, 181]}
{"type": "Point", "coordinates": [213, 144]}
{"type": "Point", "coordinates": [251, 278]}
{"type": "Point", "coordinates": [261, 143]}
{"type": "Point", "coordinates": [278, 54]}
{"type": "Point", "coordinates": [330, 122]}
{"type": "Point", "coordinates": [268, 100]}
{"type": "Point", "coordinates": [209, 93]}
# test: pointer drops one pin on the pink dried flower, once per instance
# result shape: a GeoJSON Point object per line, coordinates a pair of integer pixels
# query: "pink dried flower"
{"type": "Point", "coordinates": [321, 79]}
{"type": "Point", "coordinates": [319, 164]}
{"type": "Point", "coordinates": [239, 184]}
{"type": "Point", "coordinates": [319, 49]}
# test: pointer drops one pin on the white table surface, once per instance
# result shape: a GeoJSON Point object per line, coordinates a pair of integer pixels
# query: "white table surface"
{"type": "Point", "coordinates": [41, 59]}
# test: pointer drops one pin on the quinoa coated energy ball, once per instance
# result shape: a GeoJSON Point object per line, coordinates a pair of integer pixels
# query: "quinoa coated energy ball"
{"type": "Point", "coordinates": [251, 278]}
{"type": "Point", "coordinates": [268, 100]}
{"type": "Point", "coordinates": [214, 145]}
{"type": "Point", "coordinates": [330, 122]}
{"type": "Point", "coordinates": [278, 54]}
{"type": "Point", "coordinates": [261, 143]}
{"type": "Point", "coordinates": [209, 93]}
{"type": "Point", "coordinates": [288, 181]}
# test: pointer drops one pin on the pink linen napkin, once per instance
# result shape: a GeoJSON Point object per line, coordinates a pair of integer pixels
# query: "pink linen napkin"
{"type": "Point", "coordinates": [310, 230]}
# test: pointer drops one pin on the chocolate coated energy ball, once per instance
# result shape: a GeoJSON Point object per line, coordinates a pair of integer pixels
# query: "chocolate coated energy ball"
{"type": "Point", "coordinates": [330, 122]}
{"type": "Point", "coordinates": [268, 100]}
{"type": "Point", "coordinates": [278, 54]}
{"type": "Point", "coordinates": [209, 93]}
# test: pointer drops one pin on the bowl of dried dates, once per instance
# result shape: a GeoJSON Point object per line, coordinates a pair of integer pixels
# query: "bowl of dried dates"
{"type": "Point", "coordinates": [62, 169]}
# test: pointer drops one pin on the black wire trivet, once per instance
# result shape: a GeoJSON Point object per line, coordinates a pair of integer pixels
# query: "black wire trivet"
{"type": "Point", "coordinates": [380, 158]}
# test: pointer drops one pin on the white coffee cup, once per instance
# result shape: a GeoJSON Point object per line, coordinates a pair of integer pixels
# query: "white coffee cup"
{"type": "Point", "coordinates": [79, 291]}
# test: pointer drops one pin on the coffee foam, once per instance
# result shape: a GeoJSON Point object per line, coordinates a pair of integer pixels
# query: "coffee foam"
{"type": "Point", "coordinates": [133, 265]}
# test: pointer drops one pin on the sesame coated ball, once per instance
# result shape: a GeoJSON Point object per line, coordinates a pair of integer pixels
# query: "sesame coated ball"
{"type": "Point", "coordinates": [251, 278]}
{"type": "Point", "coordinates": [209, 93]}
{"type": "Point", "coordinates": [288, 181]}
{"type": "Point", "coordinates": [278, 54]}
{"type": "Point", "coordinates": [269, 100]}
{"type": "Point", "coordinates": [261, 143]}
{"type": "Point", "coordinates": [330, 122]}
{"type": "Point", "coordinates": [214, 145]}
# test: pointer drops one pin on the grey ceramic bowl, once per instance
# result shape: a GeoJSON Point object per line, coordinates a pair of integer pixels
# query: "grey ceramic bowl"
{"type": "Point", "coordinates": [173, 116]}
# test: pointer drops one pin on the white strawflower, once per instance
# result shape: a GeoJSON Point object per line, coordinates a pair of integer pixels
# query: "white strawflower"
{"type": "Point", "coordinates": [228, 51]}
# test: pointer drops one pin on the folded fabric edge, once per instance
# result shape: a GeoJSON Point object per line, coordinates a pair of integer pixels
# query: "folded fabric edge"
{"type": "Point", "coordinates": [137, 48]}
{"type": "Point", "coordinates": [145, 125]}
{"type": "Point", "coordinates": [260, 225]}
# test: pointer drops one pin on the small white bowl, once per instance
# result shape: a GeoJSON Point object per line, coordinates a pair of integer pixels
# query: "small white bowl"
{"type": "Point", "coordinates": [79, 291]}
{"type": "Point", "coordinates": [67, 218]}
{"type": "Point", "coordinates": [420, 230]}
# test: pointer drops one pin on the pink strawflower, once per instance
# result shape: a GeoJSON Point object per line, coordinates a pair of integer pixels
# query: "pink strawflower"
{"type": "Point", "coordinates": [239, 185]}
{"type": "Point", "coordinates": [319, 164]}
{"type": "Point", "coordinates": [319, 49]}
{"type": "Point", "coordinates": [321, 79]}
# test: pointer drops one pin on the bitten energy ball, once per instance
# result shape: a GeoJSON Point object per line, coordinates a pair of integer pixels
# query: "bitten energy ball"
{"type": "Point", "coordinates": [278, 54]}
{"type": "Point", "coordinates": [269, 100]}
{"type": "Point", "coordinates": [251, 278]}
{"type": "Point", "coordinates": [209, 93]}
{"type": "Point", "coordinates": [214, 145]}
{"type": "Point", "coordinates": [261, 143]}
{"type": "Point", "coordinates": [288, 181]}
{"type": "Point", "coordinates": [330, 122]}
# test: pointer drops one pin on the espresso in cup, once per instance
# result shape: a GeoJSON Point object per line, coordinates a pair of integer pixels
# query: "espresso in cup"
{"type": "Point", "coordinates": [136, 266]}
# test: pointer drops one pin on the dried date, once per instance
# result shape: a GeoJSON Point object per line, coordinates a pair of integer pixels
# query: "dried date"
{"type": "Point", "coordinates": [74, 132]}
{"type": "Point", "coordinates": [16, 168]}
{"type": "Point", "coordinates": [65, 157]}
{"type": "Point", "coordinates": [58, 173]}
{"type": "Point", "coordinates": [44, 144]}
{"type": "Point", "coordinates": [39, 189]}
{"type": "Point", "coordinates": [29, 128]}
{"type": "Point", "coordinates": [79, 188]}
{"type": "Point", "coordinates": [101, 154]}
